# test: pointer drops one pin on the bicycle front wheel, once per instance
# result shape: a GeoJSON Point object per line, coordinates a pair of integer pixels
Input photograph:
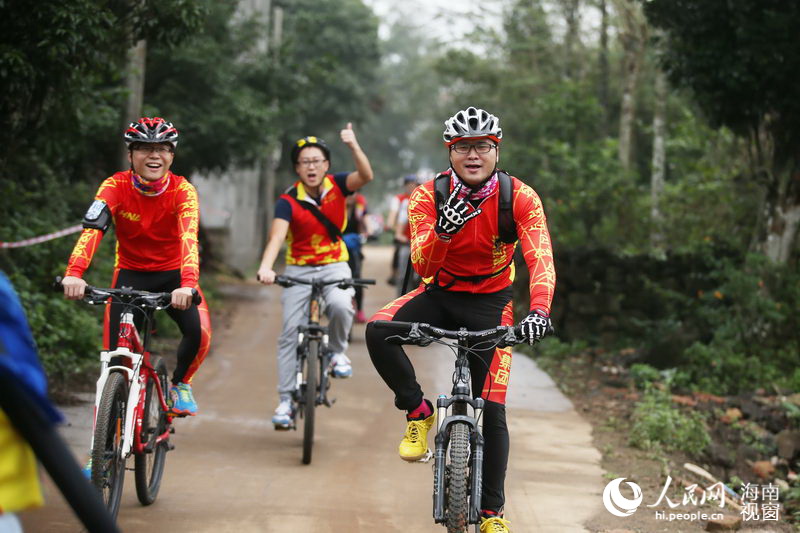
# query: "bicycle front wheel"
{"type": "Point", "coordinates": [149, 466]}
{"type": "Point", "coordinates": [310, 399]}
{"type": "Point", "coordinates": [108, 465]}
{"type": "Point", "coordinates": [456, 510]}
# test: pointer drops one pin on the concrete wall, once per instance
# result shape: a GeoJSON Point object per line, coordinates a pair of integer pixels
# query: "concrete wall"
{"type": "Point", "coordinates": [229, 213]}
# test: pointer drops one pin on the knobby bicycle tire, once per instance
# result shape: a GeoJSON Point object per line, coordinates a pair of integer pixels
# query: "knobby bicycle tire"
{"type": "Point", "coordinates": [456, 502]}
{"type": "Point", "coordinates": [149, 467]}
{"type": "Point", "coordinates": [108, 465]}
{"type": "Point", "coordinates": [310, 398]}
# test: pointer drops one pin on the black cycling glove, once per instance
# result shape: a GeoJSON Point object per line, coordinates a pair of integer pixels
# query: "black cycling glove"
{"type": "Point", "coordinates": [453, 214]}
{"type": "Point", "coordinates": [535, 326]}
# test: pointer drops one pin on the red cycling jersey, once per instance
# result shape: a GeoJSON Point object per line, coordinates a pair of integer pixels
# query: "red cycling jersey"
{"type": "Point", "coordinates": [476, 250]}
{"type": "Point", "coordinates": [154, 233]}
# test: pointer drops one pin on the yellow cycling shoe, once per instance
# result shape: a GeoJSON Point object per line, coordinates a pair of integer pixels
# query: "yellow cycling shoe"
{"type": "Point", "coordinates": [495, 524]}
{"type": "Point", "coordinates": [414, 445]}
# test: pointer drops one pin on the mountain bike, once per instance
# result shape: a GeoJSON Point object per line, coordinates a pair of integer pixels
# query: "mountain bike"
{"type": "Point", "coordinates": [313, 357]}
{"type": "Point", "coordinates": [131, 415]}
{"type": "Point", "coordinates": [458, 452]}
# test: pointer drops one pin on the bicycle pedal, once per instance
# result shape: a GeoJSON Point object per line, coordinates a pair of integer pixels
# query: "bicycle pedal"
{"type": "Point", "coordinates": [170, 446]}
{"type": "Point", "coordinates": [172, 429]}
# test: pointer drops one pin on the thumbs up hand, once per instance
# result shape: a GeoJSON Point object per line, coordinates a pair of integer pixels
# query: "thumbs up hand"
{"type": "Point", "coordinates": [349, 136]}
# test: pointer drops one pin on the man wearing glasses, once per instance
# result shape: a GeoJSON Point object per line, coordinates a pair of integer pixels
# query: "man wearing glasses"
{"type": "Point", "coordinates": [465, 260]}
{"type": "Point", "coordinates": [310, 217]}
{"type": "Point", "coordinates": [156, 218]}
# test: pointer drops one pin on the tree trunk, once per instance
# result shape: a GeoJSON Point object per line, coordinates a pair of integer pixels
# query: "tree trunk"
{"type": "Point", "coordinates": [781, 216]}
{"type": "Point", "coordinates": [134, 83]}
{"type": "Point", "coordinates": [659, 160]}
{"type": "Point", "coordinates": [603, 60]}
{"type": "Point", "coordinates": [271, 160]}
{"type": "Point", "coordinates": [633, 35]}
{"type": "Point", "coordinates": [571, 10]}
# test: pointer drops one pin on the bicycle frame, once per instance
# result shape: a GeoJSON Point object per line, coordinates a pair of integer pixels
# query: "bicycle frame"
{"type": "Point", "coordinates": [461, 397]}
{"type": "Point", "coordinates": [458, 404]}
{"type": "Point", "coordinates": [314, 330]}
{"type": "Point", "coordinates": [132, 349]}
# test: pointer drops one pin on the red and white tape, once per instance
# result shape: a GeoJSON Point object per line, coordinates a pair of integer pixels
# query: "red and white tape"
{"type": "Point", "coordinates": [42, 238]}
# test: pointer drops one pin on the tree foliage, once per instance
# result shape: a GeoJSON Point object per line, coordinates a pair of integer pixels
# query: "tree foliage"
{"type": "Point", "coordinates": [742, 64]}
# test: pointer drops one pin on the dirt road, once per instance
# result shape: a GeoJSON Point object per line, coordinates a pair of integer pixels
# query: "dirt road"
{"type": "Point", "coordinates": [231, 472]}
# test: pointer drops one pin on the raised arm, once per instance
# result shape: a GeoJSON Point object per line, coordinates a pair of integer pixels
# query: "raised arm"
{"type": "Point", "coordinates": [363, 173]}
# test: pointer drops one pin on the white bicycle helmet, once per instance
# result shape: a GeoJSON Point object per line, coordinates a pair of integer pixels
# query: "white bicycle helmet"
{"type": "Point", "coordinates": [472, 123]}
{"type": "Point", "coordinates": [151, 130]}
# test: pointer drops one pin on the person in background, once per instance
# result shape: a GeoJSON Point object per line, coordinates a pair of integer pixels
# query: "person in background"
{"type": "Point", "coordinates": [156, 217]}
{"type": "Point", "coordinates": [355, 235]}
{"type": "Point", "coordinates": [398, 224]}
{"type": "Point", "coordinates": [310, 217]}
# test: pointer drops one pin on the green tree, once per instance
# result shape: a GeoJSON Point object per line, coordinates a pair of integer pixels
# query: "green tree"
{"type": "Point", "coordinates": [742, 63]}
{"type": "Point", "coordinates": [60, 67]}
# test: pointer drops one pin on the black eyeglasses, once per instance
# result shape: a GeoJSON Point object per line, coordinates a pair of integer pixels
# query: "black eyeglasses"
{"type": "Point", "coordinates": [480, 147]}
{"type": "Point", "coordinates": [153, 148]}
{"type": "Point", "coordinates": [311, 162]}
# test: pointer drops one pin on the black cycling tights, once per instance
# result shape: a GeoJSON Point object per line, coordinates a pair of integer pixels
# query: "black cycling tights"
{"type": "Point", "coordinates": [188, 321]}
{"type": "Point", "coordinates": [451, 310]}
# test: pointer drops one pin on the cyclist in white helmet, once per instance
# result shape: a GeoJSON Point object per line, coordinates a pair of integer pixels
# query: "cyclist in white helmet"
{"type": "Point", "coordinates": [463, 249]}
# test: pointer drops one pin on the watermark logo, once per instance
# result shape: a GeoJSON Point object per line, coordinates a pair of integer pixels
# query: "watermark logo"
{"type": "Point", "coordinates": [616, 503]}
{"type": "Point", "coordinates": [755, 503]}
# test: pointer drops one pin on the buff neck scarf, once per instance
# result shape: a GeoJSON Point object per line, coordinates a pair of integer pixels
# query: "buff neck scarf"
{"type": "Point", "coordinates": [150, 188]}
{"type": "Point", "coordinates": [484, 191]}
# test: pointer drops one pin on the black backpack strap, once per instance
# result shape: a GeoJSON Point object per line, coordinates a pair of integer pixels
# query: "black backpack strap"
{"type": "Point", "coordinates": [506, 225]}
{"type": "Point", "coordinates": [441, 187]}
{"type": "Point", "coordinates": [334, 232]}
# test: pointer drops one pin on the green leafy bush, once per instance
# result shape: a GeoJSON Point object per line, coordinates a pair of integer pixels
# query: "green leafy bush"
{"type": "Point", "coordinates": [657, 424]}
{"type": "Point", "coordinates": [644, 375]}
{"type": "Point", "coordinates": [751, 328]}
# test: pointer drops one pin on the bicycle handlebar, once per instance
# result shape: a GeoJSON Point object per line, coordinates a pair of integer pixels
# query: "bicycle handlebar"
{"type": "Point", "coordinates": [154, 300]}
{"type": "Point", "coordinates": [288, 281]}
{"type": "Point", "coordinates": [420, 332]}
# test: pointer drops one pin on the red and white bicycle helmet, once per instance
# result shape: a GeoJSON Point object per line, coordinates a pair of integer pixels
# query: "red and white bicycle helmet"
{"type": "Point", "coordinates": [151, 130]}
{"type": "Point", "coordinates": [471, 123]}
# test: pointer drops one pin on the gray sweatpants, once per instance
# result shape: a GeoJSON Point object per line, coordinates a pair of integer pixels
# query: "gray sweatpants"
{"type": "Point", "coordinates": [338, 308]}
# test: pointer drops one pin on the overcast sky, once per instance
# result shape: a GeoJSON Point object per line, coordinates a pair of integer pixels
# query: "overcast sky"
{"type": "Point", "coordinates": [440, 17]}
{"type": "Point", "coordinates": [451, 20]}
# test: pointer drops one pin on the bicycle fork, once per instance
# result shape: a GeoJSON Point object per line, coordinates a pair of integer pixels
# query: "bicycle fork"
{"type": "Point", "coordinates": [313, 331]}
{"type": "Point", "coordinates": [459, 403]}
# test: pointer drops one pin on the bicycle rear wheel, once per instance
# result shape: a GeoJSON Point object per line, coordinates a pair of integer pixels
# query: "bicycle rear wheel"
{"type": "Point", "coordinates": [149, 466]}
{"type": "Point", "coordinates": [310, 398]}
{"type": "Point", "coordinates": [108, 465]}
{"type": "Point", "coordinates": [456, 509]}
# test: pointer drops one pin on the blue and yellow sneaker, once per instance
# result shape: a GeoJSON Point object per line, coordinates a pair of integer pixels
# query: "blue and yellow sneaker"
{"type": "Point", "coordinates": [284, 415]}
{"type": "Point", "coordinates": [87, 469]}
{"type": "Point", "coordinates": [340, 366]}
{"type": "Point", "coordinates": [181, 400]}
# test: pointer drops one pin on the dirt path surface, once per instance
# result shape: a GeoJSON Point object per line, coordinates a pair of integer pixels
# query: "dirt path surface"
{"type": "Point", "coordinates": [231, 472]}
